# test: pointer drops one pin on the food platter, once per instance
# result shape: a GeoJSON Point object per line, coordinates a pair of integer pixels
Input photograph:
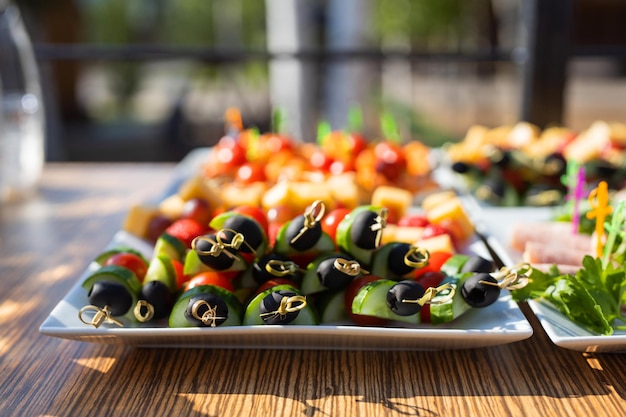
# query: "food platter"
{"type": "Point", "coordinates": [502, 322]}
{"type": "Point", "coordinates": [562, 331]}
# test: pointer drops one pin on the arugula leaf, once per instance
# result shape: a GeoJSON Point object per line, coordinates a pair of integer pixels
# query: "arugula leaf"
{"type": "Point", "coordinates": [538, 283]}
{"type": "Point", "coordinates": [593, 298]}
{"type": "Point", "coordinates": [571, 298]}
{"type": "Point", "coordinates": [606, 285]}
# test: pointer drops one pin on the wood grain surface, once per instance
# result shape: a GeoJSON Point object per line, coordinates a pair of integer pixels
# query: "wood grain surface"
{"type": "Point", "coordinates": [46, 242]}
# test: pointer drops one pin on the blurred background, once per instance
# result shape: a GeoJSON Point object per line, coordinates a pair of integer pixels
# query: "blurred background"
{"type": "Point", "coordinates": [149, 80]}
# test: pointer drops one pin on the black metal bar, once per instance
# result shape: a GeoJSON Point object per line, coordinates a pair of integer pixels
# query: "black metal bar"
{"type": "Point", "coordinates": [599, 51]}
{"type": "Point", "coordinates": [548, 25]}
{"type": "Point", "coordinates": [138, 52]}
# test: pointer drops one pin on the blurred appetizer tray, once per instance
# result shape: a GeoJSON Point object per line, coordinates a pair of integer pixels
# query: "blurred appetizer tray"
{"type": "Point", "coordinates": [562, 331]}
{"type": "Point", "coordinates": [502, 322]}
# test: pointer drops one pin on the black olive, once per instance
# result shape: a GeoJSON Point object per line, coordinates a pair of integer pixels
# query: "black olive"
{"type": "Point", "coordinates": [270, 305]}
{"type": "Point", "coordinates": [302, 238]}
{"type": "Point", "coordinates": [460, 167]}
{"type": "Point", "coordinates": [361, 232]}
{"type": "Point", "coordinates": [491, 190]}
{"type": "Point", "coordinates": [500, 158]}
{"type": "Point", "coordinates": [220, 262]}
{"type": "Point", "coordinates": [396, 262]}
{"type": "Point", "coordinates": [252, 233]}
{"type": "Point", "coordinates": [260, 272]}
{"type": "Point", "coordinates": [158, 294]}
{"type": "Point", "coordinates": [478, 294]}
{"type": "Point", "coordinates": [405, 290]}
{"type": "Point", "coordinates": [112, 295]}
{"type": "Point", "coordinates": [477, 263]}
{"type": "Point", "coordinates": [554, 165]}
{"type": "Point", "coordinates": [331, 277]}
{"type": "Point", "coordinates": [206, 310]}
{"type": "Point", "coordinates": [542, 195]}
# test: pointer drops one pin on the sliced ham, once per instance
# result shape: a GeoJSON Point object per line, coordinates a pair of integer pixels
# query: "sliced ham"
{"type": "Point", "coordinates": [557, 234]}
{"type": "Point", "coordinates": [549, 253]}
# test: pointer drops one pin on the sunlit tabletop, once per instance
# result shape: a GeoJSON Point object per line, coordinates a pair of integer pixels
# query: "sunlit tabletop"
{"type": "Point", "coordinates": [46, 242]}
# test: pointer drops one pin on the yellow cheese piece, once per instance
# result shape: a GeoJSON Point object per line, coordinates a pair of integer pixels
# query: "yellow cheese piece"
{"type": "Point", "coordinates": [200, 187]}
{"type": "Point", "coordinates": [138, 219]}
{"type": "Point", "coordinates": [396, 200]}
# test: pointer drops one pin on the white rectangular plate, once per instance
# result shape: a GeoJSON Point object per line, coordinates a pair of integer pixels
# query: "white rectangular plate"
{"type": "Point", "coordinates": [562, 331]}
{"type": "Point", "coordinates": [502, 322]}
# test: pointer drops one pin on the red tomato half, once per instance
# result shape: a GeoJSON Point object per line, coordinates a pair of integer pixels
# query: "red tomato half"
{"type": "Point", "coordinates": [332, 220]}
{"type": "Point", "coordinates": [434, 263]}
{"type": "Point", "coordinates": [130, 261]}
{"type": "Point", "coordinates": [256, 213]}
{"type": "Point", "coordinates": [210, 278]}
{"type": "Point", "coordinates": [274, 282]}
{"type": "Point", "coordinates": [351, 292]}
{"type": "Point", "coordinates": [414, 220]}
{"type": "Point", "coordinates": [250, 172]}
{"type": "Point", "coordinates": [179, 269]}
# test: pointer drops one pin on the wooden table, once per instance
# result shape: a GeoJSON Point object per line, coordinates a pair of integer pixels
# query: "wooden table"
{"type": "Point", "coordinates": [45, 243]}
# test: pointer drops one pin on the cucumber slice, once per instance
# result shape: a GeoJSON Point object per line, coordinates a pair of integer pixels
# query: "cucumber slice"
{"type": "Point", "coordinates": [161, 269]}
{"type": "Point", "coordinates": [252, 317]}
{"type": "Point", "coordinates": [344, 235]}
{"type": "Point", "coordinates": [324, 244]}
{"type": "Point", "coordinates": [450, 310]}
{"type": "Point", "coordinates": [193, 264]}
{"type": "Point", "coordinates": [313, 282]}
{"type": "Point", "coordinates": [371, 300]}
{"type": "Point", "coordinates": [218, 222]}
{"type": "Point", "coordinates": [115, 273]}
{"type": "Point", "coordinates": [331, 307]}
{"type": "Point", "coordinates": [120, 275]}
{"type": "Point", "coordinates": [454, 264]}
{"type": "Point", "coordinates": [100, 259]}
{"type": "Point", "coordinates": [177, 316]}
{"type": "Point", "coordinates": [170, 246]}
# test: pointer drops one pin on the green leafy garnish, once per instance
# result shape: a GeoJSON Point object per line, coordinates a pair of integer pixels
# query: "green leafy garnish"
{"type": "Point", "coordinates": [389, 128]}
{"type": "Point", "coordinates": [592, 298]}
{"type": "Point", "coordinates": [355, 119]}
{"type": "Point", "coordinates": [571, 298]}
{"type": "Point", "coordinates": [323, 131]}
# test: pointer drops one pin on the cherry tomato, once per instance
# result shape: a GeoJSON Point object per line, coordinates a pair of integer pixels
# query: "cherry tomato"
{"type": "Point", "coordinates": [186, 230]}
{"type": "Point", "coordinates": [130, 261]}
{"type": "Point", "coordinates": [276, 217]}
{"type": "Point", "coordinates": [198, 209]}
{"type": "Point", "coordinates": [432, 230]}
{"type": "Point", "coordinates": [390, 160]}
{"type": "Point", "coordinates": [425, 314]}
{"type": "Point", "coordinates": [340, 167]}
{"type": "Point", "coordinates": [157, 225]}
{"type": "Point", "coordinates": [319, 160]}
{"type": "Point", "coordinates": [256, 213]}
{"type": "Point", "coordinates": [434, 264]}
{"type": "Point", "coordinates": [351, 292]}
{"type": "Point", "coordinates": [431, 279]}
{"type": "Point", "coordinates": [274, 282]}
{"type": "Point", "coordinates": [250, 172]}
{"type": "Point", "coordinates": [179, 269]}
{"type": "Point", "coordinates": [413, 220]}
{"type": "Point", "coordinates": [356, 142]}
{"type": "Point", "coordinates": [276, 143]}
{"type": "Point", "coordinates": [219, 279]}
{"type": "Point", "coordinates": [332, 220]}
{"type": "Point", "coordinates": [230, 152]}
